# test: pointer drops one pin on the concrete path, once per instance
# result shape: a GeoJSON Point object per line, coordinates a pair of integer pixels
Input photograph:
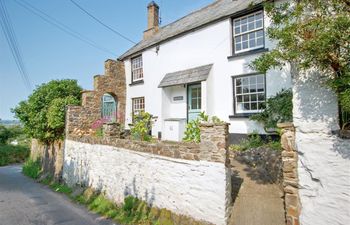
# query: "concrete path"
{"type": "Point", "coordinates": [24, 202]}
{"type": "Point", "coordinates": [257, 202]}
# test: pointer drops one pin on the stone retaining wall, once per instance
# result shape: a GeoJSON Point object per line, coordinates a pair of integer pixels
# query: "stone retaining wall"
{"type": "Point", "coordinates": [186, 178]}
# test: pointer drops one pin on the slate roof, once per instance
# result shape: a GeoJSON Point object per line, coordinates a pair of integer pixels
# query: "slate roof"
{"type": "Point", "coordinates": [186, 76]}
{"type": "Point", "coordinates": [220, 9]}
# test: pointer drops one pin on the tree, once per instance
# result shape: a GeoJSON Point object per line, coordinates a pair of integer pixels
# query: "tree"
{"type": "Point", "coordinates": [4, 134]}
{"type": "Point", "coordinates": [43, 114]}
{"type": "Point", "coordinates": [312, 34]}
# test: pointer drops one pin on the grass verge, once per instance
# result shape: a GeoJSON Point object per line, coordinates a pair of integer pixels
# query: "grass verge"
{"type": "Point", "coordinates": [32, 169]}
{"type": "Point", "coordinates": [13, 154]}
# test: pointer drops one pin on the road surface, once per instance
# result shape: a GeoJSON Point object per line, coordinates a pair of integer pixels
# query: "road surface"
{"type": "Point", "coordinates": [24, 202]}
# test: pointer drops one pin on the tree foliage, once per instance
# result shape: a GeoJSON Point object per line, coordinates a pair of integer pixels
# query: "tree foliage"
{"type": "Point", "coordinates": [279, 109]}
{"type": "Point", "coordinates": [312, 34]}
{"type": "Point", "coordinates": [43, 114]}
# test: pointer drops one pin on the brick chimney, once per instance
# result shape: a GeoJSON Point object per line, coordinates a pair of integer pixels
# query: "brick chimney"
{"type": "Point", "coordinates": [153, 20]}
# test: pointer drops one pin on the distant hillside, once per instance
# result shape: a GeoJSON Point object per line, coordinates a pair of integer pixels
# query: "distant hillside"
{"type": "Point", "coordinates": [9, 122]}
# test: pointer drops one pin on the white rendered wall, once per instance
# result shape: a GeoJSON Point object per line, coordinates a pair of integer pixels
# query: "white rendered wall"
{"type": "Point", "coordinates": [324, 159]}
{"type": "Point", "coordinates": [209, 45]}
{"type": "Point", "coordinates": [193, 188]}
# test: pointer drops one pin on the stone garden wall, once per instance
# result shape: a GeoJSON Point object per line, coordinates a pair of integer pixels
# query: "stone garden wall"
{"type": "Point", "coordinates": [187, 178]}
{"type": "Point", "coordinates": [80, 119]}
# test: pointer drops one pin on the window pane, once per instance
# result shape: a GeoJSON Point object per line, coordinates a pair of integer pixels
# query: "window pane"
{"type": "Point", "coordinates": [252, 80]}
{"type": "Point", "coordinates": [194, 103]}
{"type": "Point", "coordinates": [244, 20]}
{"type": "Point", "coordinates": [246, 106]}
{"type": "Point", "coordinates": [260, 33]}
{"type": "Point", "coordinates": [240, 107]}
{"type": "Point", "coordinates": [258, 15]}
{"type": "Point", "coordinates": [245, 45]}
{"type": "Point", "coordinates": [238, 47]}
{"type": "Point", "coordinates": [246, 98]}
{"type": "Point", "coordinates": [237, 30]}
{"type": "Point", "coordinates": [252, 43]}
{"type": "Point", "coordinates": [258, 24]}
{"type": "Point", "coordinates": [261, 97]}
{"type": "Point", "coordinates": [260, 87]}
{"type": "Point", "coordinates": [238, 82]}
{"type": "Point", "coordinates": [251, 26]}
{"type": "Point", "coordinates": [239, 98]}
{"type": "Point", "coordinates": [245, 81]}
{"type": "Point", "coordinates": [260, 41]}
{"type": "Point", "coordinates": [252, 88]}
{"type": "Point", "coordinates": [254, 106]}
{"type": "Point", "coordinates": [251, 18]}
{"type": "Point", "coordinates": [260, 79]}
{"type": "Point", "coordinates": [245, 89]}
{"type": "Point", "coordinates": [252, 36]}
{"type": "Point", "coordinates": [238, 90]}
{"type": "Point", "coordinates": [244, 28]}
{"type": "Point", "coordinates": [245, 37]}
{"type": "Point", "coordinates": [238, 39]}
{"type": "Point", "coordinates": [237, 23]}
{"type": "Point", "coordinates": [253, 97]}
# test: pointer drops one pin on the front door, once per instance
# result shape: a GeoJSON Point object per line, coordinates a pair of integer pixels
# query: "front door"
{"type": "Point", "coordinates": [194, 101]}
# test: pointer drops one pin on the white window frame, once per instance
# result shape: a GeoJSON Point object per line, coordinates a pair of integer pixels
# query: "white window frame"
{"type": "Point", "coordinates": [243, 94]}
{"type": "Point", "coordinates": [137, 68]}
{"type": "Point", "coordinates": [138, 105]}
{"type": "Point", "coordinates": [241, 34]}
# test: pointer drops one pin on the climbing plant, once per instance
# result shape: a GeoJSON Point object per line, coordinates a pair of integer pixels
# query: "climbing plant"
{"type": "Point", "coordinates": [312, 34]}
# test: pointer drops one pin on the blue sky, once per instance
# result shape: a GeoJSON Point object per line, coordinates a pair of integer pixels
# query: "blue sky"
{"type": "Point", "coordinates": [49, 53]}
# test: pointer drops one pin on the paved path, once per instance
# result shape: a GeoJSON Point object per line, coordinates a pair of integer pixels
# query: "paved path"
{"type": "Point", "coordinates": [24, 202]}
{"type": "Point", "coordinates": [257, 203]}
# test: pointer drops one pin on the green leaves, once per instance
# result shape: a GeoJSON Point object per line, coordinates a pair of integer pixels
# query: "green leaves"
{"type": "Point", "coordinates": [279, 108]}
{"type": "Point", "coordinates": [43, 114]}
{"type": "Point", "coordinates": [141, 127]}
{"type": "Point", "coordinates": [311, 34]}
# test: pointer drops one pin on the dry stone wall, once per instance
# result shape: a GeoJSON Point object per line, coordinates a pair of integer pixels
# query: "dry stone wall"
{"type": "Point", "coordinates": [186, 178]}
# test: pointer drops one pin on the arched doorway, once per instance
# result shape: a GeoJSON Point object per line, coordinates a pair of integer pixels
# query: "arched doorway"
{"type": "Point", "coordinates": [109, 108]}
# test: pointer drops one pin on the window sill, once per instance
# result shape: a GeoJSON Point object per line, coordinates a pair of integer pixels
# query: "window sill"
{"type": "Point", "coordinates": [137, 83]}
{"type": "Point", "coordinates": [255, 51]}
{"type": "Point", "coordinates": [241, 115]}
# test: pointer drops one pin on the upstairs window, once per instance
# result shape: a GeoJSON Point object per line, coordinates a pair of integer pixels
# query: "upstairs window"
{"type": "Point", "coordinates": [249, 92]}
{"type": "Point", "coordinates": [136, 69]}
{"type": "Point", "coordinates": [248, 32]}
{"type": "Point", "coordinates": [138, 105]}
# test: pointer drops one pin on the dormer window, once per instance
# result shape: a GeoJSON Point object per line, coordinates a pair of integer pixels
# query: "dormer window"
{"type": "Point", "coordinates": [136, 69]}
{"type": "Point", "coordinates": [248, 32]}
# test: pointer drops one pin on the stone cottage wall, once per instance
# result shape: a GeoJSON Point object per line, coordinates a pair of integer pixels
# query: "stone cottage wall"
{"type": "Point", "coordinates": [81, 119]}
{"type": "Point", "coordinates": [187, 178]}
{"type": "Point", "coordinates": [323, 157]}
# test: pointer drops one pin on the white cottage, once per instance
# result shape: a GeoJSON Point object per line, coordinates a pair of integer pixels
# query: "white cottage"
{"type": "Point", "coordinates": [200, 63]}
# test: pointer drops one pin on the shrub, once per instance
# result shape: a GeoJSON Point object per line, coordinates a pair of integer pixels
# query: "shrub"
{"type": "Point", "coordinates": [42, 115]}
{"type": "Point", "coordinates": [13, 154]}
{"type": "Point", "coordinates": [279, 109]}
{"type": "Point", "coordinates": [142, 126]}
{"type": "Point", "coordinates": [193, 133]}
{"type": "Point", "coordinates": [32, 169]}
{"type": "Point", "coordinates": [254, 140]}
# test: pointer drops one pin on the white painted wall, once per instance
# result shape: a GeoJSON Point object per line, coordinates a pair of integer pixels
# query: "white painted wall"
{"type": "Point", "coordinates": [209, 45]}
{"type": "Point", "coordinates": [193, 188]}
{"type": "Point", "coordinates": [324, 159]}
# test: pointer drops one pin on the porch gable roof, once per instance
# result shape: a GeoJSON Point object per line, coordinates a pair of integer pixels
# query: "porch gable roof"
{"type": "Point", "coordinates": [192, 75]}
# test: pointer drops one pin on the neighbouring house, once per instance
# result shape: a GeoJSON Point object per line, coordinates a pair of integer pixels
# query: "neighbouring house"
{"type": "Point", "coordinates": [201, 63]}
